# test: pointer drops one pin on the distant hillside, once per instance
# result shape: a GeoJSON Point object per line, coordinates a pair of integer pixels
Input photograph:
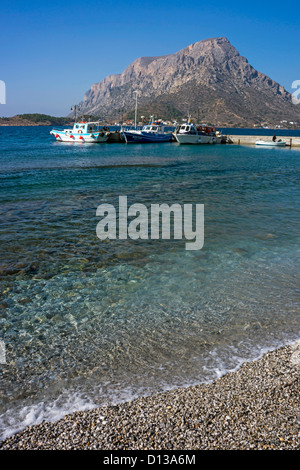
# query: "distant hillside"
{"type": "Point", "coordinates": [208, 79]}
{"type": "Point", "coordinates": [35, 120]}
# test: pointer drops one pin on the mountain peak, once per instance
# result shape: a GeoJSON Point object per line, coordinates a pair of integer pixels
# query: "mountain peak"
{"type": "Point", "coordinates": [209, 76]}
{"type": "Point", "coordinates": [218, 40]}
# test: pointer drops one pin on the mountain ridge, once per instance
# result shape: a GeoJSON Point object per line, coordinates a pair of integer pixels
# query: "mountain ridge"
{"type": "Point", "coordinates": [208, 78]}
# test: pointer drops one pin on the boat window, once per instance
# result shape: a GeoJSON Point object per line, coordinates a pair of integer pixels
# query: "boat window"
{"type": "Point", "coordinates": [154, 128]}
{"type": "Point", "coordinates": [77, 126]}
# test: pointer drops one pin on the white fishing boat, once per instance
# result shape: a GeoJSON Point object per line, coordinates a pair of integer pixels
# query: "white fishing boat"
{"type": "Point", "coordinates": [84, 132]}
{"type": "Point", "coordinates": [271, 143]}
{"type": "Point", "coordinates": [189, 133]}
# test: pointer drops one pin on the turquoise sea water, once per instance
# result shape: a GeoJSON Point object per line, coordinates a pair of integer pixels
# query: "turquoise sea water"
{"type": "Point", "coordinates": [88, 322]}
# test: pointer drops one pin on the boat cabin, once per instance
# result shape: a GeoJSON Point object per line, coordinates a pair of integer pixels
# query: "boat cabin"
{"type": "Point", "coordinates": [187, 129]}
{"type": "Point", "coordinates": [152, 128]}
{"type": "Point", "coordinates": [86, 127]}
{"type": "Point", "coordinates": [192, 129]}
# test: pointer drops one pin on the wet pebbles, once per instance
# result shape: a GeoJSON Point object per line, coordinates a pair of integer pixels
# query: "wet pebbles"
{"type": "Point", "coordinates": [256, 407]}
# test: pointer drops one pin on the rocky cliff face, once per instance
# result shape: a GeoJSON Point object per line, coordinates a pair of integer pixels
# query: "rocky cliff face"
{"type": "Point", "coordinates": [208, 79]}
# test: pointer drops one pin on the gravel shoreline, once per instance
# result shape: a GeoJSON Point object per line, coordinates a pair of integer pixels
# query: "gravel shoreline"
{"type": "Point", "coordinates": [253, 408]}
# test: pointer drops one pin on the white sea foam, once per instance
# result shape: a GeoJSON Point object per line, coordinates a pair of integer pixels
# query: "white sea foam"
{"type": "Point", "coordinates": [17, 419]}
{"type": "Point", "coordinates": [49, 410]}
{"type": "Point", "coordinates": [69, 401]}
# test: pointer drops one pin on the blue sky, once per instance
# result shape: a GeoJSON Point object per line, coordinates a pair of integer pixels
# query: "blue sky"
{"type": "Point", "coordinates": [52, 52]}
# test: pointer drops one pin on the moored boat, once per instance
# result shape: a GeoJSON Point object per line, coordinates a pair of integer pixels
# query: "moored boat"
{"type": "Point", "coordinates": [151, 133]}
{"type": "Point", "coordinates": [189, 133]}
{"type": "Point", "coordinates": [271, 143]}
{"type": "Point", "coordinates": [85, 132]}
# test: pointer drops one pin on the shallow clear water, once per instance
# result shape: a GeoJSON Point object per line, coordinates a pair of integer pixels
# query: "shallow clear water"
{"type": "Point", "coordinates": [88, 322]}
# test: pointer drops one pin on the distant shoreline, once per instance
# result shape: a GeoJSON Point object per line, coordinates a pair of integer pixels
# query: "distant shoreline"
{"type": "Point", "coordinates": [72, 122]}
{"type": "Point", "coordinates": [35, 120]}
{"type": "Point", "coordinates": [39, 120]}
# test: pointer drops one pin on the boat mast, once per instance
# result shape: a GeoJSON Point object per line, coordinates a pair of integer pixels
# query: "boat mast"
{"type": "Point", "coordinates": [135, 117]}
{"type": "Point", "coordinates": [75, 110]}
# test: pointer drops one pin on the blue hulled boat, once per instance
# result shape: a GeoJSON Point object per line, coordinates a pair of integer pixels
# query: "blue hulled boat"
{"type": "Point", "coordinates": [152, 132]}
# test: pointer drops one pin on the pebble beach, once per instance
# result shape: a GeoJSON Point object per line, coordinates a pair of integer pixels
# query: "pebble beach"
{"type": "Point", "coordinates": [253, 408]}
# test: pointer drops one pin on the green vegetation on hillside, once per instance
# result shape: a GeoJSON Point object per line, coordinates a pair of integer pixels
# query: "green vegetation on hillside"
{"type": "Point", "coordinates": [35, 119]}
{"type": "Point", "coordinates": [38, 118]}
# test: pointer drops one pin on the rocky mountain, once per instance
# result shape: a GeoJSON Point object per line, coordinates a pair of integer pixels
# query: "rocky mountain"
{"type": "Point", "coordinates": [209, 80]}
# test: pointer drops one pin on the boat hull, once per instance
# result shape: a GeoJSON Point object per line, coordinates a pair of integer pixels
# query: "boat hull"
{"type": "Point", "coordinates": [271, 144]}
{"type": "Point", "coordinates": [195, 139]}
{"type": "Point", "coordinates": [145, 137]}
{"type": "Point", "coordinates": [96, 137]}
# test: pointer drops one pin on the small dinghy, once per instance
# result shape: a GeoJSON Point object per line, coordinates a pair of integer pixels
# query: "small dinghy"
{"type": "Point", "coordinates": [278, 143]}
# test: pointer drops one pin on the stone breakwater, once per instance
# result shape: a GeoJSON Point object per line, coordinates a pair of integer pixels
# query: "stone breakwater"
{"type": "Point", "coordinates": [255, 407]}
